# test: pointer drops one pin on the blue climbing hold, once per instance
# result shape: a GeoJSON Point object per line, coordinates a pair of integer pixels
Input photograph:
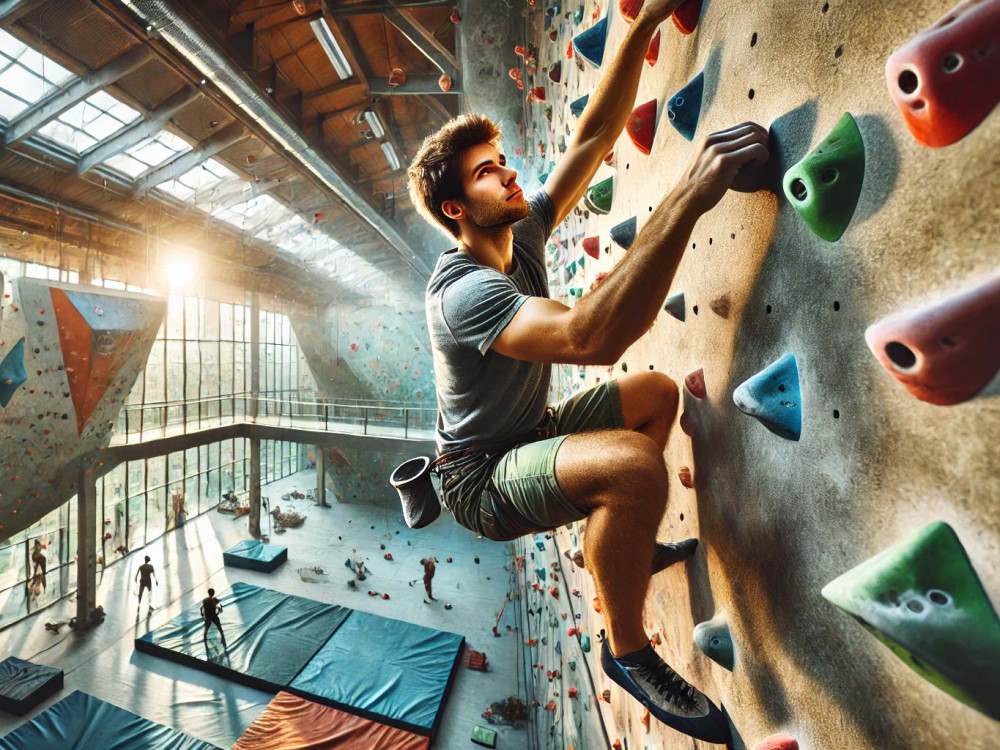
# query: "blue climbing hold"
{"type": "Point", "coordinates": [12, 373]}
{"type": "Point", "coordinates": [675, 306]}
{"type": "Point", "coordinates": [715, 641]}
{"type": "Point", "coordinates": [589, 44]}
{"type": "Point", "coordinates": [540, 572]}
{"type": "Point", "coordinates": [543, 177]}
{"type": "Point", "coordinates": [684, 107]}
{"type": "Point", "coordinates": [624, 234]}
{"type": "Point", "coordinates": [773, 397]}
{"type": "Point", "coordinates": [577, 105]}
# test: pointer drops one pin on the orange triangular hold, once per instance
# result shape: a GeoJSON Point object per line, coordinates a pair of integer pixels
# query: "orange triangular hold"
{"type": "Point", "coordinates": [653, 51]}
{"type": "Point", "coordinates": [641, 126]}
{"type": "Point", "coordinates": [629, 9]}
{"type": "Point", "coordinates": [687, 15]}
{"type": "Point", "coordinates": [92, 357]}
{"type": "Point", "coordinates": [592, 246]}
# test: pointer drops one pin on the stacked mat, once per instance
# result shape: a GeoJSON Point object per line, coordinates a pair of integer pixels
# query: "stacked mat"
{"type": "Point", "coordinates": [24, 685]}
{"type": "Point", "coordinates": [85, 722]}
{"type": "Point", "coordinates": [391, 672]}
{"type": "Point", "coordinates": [255, 555]}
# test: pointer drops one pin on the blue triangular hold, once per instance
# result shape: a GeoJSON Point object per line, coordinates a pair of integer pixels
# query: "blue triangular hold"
{"type": "Point", "coordinates": [543, 177]}
{"type": "Point", "coordinates": [773, 397]}
{"type": "Point", "coordinates": [12, 373]}
{"type": "Point", "coordinates": [624, 234]}
{"type": "Point", "coordinates": [589, 44]}
{"type": "Point", "coordinates": [684, 107]}
{"type": "Point", "coordinates": [675, 306]}
{"type": "Point", "coordinates": [577, 105]}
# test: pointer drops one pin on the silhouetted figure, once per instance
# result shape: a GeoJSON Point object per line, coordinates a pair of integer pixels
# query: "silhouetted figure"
{"type": "Point", "coordinates": [145, 576]}
{"type": "Point", "coordinates": [210, 609]}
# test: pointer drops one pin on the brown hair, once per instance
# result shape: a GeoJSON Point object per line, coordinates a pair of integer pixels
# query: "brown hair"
{"type": "Point", "coordinates": [434, 173]}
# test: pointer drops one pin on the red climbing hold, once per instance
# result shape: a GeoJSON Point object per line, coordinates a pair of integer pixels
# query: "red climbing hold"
{"type": "Point", "coordinates": [572, 692]}
{"type": "Point", "coordinates": [945, 79]}
{"type": "Point", "coordinates": [778, 742]}
{"type": "Point", "coordinates": [687, 424]}
{"type": "Point", "coordinates": [641, 126]}
{"type": "Point", "coordinates": [538, 94]}
{"type": "Point", "coordinates": [629, 9]}
{"type": "Point", "coordinates": [445, 83]}
{"type": "Point", "coordinates": [945, 353]}
{"type": "Point", "coordinates": [571, 632]}
{"type": "Point", "coordinates": [696, 383]}
{"type": "Point", "coordinates": [554, 591]}
{"type": "Point", "coordinates": [388, 556]}
{"type": "Point", "coordinates": [653, 50]}
{"type": "Point", "coordinates": [555, 73]}
{"type": "Point", "coordinates": [684, 474]}
{"type": "Point", "coordinates": [687, 15]}
{"type": "Point", "coordinates": [455, 17]}
{"type": "Point", "coordinates": [385, 596]}
{"type": "Point", "coordinates": [592, 246]}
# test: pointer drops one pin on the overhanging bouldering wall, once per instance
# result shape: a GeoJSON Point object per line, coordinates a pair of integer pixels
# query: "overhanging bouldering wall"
{"type": "Point", "coordinates": [69, 356]}
{"type": "Point", "coordinates": [812, 448]}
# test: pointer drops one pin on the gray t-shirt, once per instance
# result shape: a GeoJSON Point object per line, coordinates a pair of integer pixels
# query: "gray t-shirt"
{"type": "Point", "coordinates": [485, 398]}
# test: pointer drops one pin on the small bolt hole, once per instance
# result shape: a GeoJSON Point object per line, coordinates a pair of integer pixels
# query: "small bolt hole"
{"type": "Point", "coordinates": [914, 606]}
{"type": "Point", "coordinates": [836, 413]}
{"type": "Point", "coordinates": [709, 240]}
{"type": "Point", "coordinates": [753, 39]}
{"type": "Point", "coordinates": [836, 306]}
{"type": "Point", "coordinates": [732, 236]}
{"type": "Point", "coordinates": [839, 51]}
{"type": "Point", "coordinates": [781, 387]}
{"type": "Point", "coordinates": [799, 190]}
{"type": "Point", "coordinates": [948, 342]}
{"type": "Point", "coordinates": [901, 355]}
{"type": "Point", "coordinates": [826, 7]}
{"type": "Point", "coordinates": [694, 245]}
{"type": "Point", "coordinates": [938, 597]}
{"type": "Point", "coordinates": [768, 309]}
{"type": "Point", "coordinates": [626, 166]}
{"type": "Point", "coordinates": [908, 81]}
{"type": "Point", "coordinates": [624, 366]}
{"type": "Point", "coordinates": [951, 63]}
{"type": "Point", "coordinates": [829, 176]}
{"type": "Point", "coordinates": [682, 516]}
{"type": "Point", "coordinates": [650, 367]}
{"type": "Point", "coordinates": [695, 309]}
{"type": "Point", "coordinates": [750, 94]}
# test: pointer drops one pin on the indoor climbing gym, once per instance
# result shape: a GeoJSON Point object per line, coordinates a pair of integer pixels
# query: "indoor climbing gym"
{"type": "Point", "coordinates": [516, 374]}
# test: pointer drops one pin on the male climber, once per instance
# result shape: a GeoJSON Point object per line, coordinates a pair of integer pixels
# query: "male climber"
{"type": "Point", "coordinates": [509, 464]}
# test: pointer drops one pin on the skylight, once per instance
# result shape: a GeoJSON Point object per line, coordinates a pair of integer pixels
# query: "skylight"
{"type": "Point", "coordinates": [250, 216]}
{"type": "Point", "coordinates": [148, 153]}
{"type": "Point", "coordinates": [25, 76]}
{"type": "Point", "coordinates": [89, 121]}
{"type": "Point", "coordinates": [195, 185]}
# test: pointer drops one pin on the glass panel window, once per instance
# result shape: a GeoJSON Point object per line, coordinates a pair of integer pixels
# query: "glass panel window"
{"type": "Point", "coordinates": [197, 185]}
{"type": "Point", "coordinates": [26, 76]}
{"type": "Point", "coordinates": [87, 122]}
{"type": "Point", "coordinates": [149, 153]}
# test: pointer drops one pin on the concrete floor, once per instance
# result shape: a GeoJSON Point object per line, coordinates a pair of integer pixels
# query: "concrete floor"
{"type": "Point", "coordinates": [104, 663]}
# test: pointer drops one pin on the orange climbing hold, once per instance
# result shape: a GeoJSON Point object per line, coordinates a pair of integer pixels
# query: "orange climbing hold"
{"type": "Point", "coordinates": [645, 718]}
{"type": "Point", "coordinates": [686, 16]}
{"type": "Point", "coordinates": [653, 50]}
{"type": "Point", "coordinates": [592, 246]}
{"type": "Point", "coordinates": [696, 383]}
{"type": "Point", "coordinates": [597, 604]}
{"type": "Point", "coordinates": [641, 126]}
{"type": "Point", "coordinates": [945, 79]}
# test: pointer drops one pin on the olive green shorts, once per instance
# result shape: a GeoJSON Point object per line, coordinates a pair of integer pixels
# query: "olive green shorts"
{"type": "Point", "coordinates": [526, 476]}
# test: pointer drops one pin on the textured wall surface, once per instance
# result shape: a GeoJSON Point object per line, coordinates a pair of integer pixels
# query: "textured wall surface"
{"type": "Point", "coordinates": [69, 355]}
{"type": "Point", "coordinates": [778, 518]}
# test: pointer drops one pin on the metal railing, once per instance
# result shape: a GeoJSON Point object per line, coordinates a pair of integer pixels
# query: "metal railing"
{"type": "Point", "coordinates": [139, 422]}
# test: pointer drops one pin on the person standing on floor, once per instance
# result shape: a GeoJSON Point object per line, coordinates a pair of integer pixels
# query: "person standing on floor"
{"type": "Point", "coordinates": [428, 563]}
{"type": "Point", "coordinates": [210, 609]}
{"type": "Point", "coordinates": [145, 576]}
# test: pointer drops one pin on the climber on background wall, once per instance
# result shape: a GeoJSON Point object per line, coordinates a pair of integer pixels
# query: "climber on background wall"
{"type": "Point", "coordinates": [512, 465]}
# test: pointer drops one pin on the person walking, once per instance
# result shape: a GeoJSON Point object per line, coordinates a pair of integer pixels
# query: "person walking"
{"type": "Point", "coordinates": [145, 575]}
{"type": "Point", "coordinates": [429, 568]}
{"type": "Point", "coordinates": [210, 610]}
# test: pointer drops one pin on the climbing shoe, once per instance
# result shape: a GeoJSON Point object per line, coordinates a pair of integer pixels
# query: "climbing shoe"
{"type": "Point", "coordinates": [667, 695]}
{"type": "Point", "coordinates": [668, 553]}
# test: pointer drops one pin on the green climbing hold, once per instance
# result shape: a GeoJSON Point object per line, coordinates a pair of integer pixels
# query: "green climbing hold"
{"type": "Point", "coordinates": [923, 599]}
{"type": "Point", "coordinates": [578, 14]}
{"type": "Point", "coordinates": [715, 641]}
{"type": "Point", "coordinates": [589, 44]}
{"type": "Point", "coordinates": [825, 186]}
{"type": "Point", "coordinates": [598, 197]}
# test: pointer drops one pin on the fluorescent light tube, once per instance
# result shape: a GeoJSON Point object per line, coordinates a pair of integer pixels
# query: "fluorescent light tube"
{"type": "Point", "coordinates": [375, 124]}
{"type": "Point", "coordinates": [390, 155]}
{"type": "Point", "coordinates": [329, 44]}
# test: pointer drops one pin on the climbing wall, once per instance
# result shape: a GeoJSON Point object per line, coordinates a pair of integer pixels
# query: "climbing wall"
{"type": "Point", "coordinates": [387, 349]}
{"type": "Point", "coordinates": [840, 329]}
{"type": "Point", "coordinates": [317, 339]}
{"type": "Point", "coordinates": [69, 355]}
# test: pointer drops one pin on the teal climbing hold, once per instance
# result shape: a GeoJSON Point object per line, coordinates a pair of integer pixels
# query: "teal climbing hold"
{"type": "Point", "coordinates": [773, 397]}
{"type": "Point", "coordinates": [540, 572]}
{"type": "Point", "coordinates": [624, 234]}
{"type": "Point", "coordinates": [585, 643]}
{"type": "Point", "coordinates": [825, 186]}
{"type": "Point", "coordinates": [598, 197]}
{"type": "Point", "coordinates": [923, 599]}
{"type": "Point", "coordinates": [577, 105]}
{"type": "Point", "coordinates": [12, 373]}
{"type": "Point", "coordinates": [675, 306]}
{"type": "Point", "coordinates": [715, 641]}
{"type": "Point", "coordinates": [578, 14]}
{"type": "Point", "coordinates": [589, 44]}
{"type": "Point", "coordinates": [543, 177]}
{"type": "Point", "coordinates": [684, 107]}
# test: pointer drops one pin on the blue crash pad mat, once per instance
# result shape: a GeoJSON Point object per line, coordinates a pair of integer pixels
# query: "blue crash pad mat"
{"type": "Point", "coordinates": [255, 555]}
{"type": "Point", "coordinates": [396, 672]}
{"type": "Point", "coordinates": [270, 636]}
{"type": "Point", "coordinates": [23, 685]}
{"type": "Point", "coordinates": [83, 721]}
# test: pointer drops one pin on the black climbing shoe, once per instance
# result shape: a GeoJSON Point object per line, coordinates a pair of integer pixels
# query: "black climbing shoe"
{"type": "Point", "coordinates": [669, 697]}
{"type": "Point", "coordinates": [668, 553]}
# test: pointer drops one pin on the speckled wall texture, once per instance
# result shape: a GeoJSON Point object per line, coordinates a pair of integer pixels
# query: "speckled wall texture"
{"type": "Point", "coordinates": [780, 518]}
